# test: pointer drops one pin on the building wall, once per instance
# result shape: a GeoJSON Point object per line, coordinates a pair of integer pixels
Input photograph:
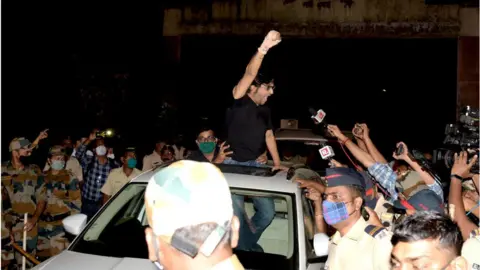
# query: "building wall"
{"type": "Point", "coordinates": [316, 18]}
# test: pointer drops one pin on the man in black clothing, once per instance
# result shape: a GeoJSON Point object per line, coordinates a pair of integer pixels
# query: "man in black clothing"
{"type": "Point", "coordinates": [210, 151]}
{"type": "Point", "coordinates": [207, 148]}
{"type": "Point", "coordinates": [249, 129]}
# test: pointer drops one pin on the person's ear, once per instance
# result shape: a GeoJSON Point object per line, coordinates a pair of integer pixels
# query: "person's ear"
{"type": "Point", "coordinates": [459, 263]}
{"type": "Point", "coordinates": [358, 203]}
{"type": "Point", "coordinates": [122, 159]}
{"type": "Point", "coordinates": [196, 141]}
{"type": "Point", "coordinates": [235, 227]}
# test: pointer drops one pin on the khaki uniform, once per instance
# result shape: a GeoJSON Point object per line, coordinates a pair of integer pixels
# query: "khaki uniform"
{"type": "Point", "coordinates": [411, 185]}
{"type": "Point", "coordinates": [63, 200]}
{"type": "Point", "coordinates": [151, 161]}
{"type": "Point", "coordinates": [25, 188]}
{"type": "Point", "coordinates": [363, 247]}
{"type": "Point", "coordinates": [117, 179]}
{"type": "Point", "coordinates": [231, 263]}
{"type": "Point", "coordinates": [381, 208]}
{"type": "Point", "coordinates": [471, 249]}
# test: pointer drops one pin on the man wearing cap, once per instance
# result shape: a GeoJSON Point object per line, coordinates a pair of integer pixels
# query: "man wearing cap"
{"type": "Point", "coordinates": [120, 176]}
{"type": "Point", "coordinates": [72, 163]}
{"type": "Point", "coordinates": [26, 189]}
{"type": "Point", "coordinates": [63, 200]}
{"type": "Point", "coordinates": [189, 229]}
{"type": "Point", "coordinates": [356, 243]}
{"type": "Point", "coordinates": [387, 177]}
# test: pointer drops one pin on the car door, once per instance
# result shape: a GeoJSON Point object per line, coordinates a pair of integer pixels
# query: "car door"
{"type": "Point", "coordinates": [313, 263]}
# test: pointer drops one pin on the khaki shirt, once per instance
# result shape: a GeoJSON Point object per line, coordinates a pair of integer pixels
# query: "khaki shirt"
{"type": "Point", "coordinates": [383, 215]}
{"type": "Point", "coordinates": [72, 166]}
{"type": "Point", "coordinates": [117, 179]}
{"type": "Point", "coordinates": [231, 263]}
{"type": "Point", "coordinates": [471, 249]}
{"type": "Point", "coordinates": [359, 249]}
{"type": "Point", "coordinates": [151, 161]}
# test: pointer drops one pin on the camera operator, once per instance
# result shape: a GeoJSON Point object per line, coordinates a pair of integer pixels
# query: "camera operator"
{"type": "Point", "coordinates": [385, 176]}
{"type": "Point", "coordinates": [412, 162]}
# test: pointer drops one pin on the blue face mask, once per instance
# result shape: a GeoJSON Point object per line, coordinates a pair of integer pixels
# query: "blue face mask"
{"type": "Point", "coordinates": [58, 164]}
{"type": "Point", "coordinates": [334, 213]}
{"type": "Point", "coordinates": [131, 163]}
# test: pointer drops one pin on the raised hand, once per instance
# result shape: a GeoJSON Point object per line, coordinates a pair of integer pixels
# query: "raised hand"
{"type": "Point", "coordinates": [272, 39]}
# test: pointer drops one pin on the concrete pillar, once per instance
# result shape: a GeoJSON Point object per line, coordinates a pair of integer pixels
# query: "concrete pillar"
{"type": "Point", "coordinates": [467, 65]}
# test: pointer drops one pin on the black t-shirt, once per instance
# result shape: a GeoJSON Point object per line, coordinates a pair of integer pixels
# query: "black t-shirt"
{"type": "Point", "coordinates": [200, 157]}
{"type": "Point", "coordinates": [246, 126]}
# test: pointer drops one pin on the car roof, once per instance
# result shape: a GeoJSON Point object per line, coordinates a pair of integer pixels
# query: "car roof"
{"type": "Point", "coordinates": [298, 135]}
{"type": "Point", "coordinates": [248, 178]}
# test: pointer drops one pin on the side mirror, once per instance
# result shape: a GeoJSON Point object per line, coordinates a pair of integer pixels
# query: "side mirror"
{"type": "Point", "coordinates": [320, 244]}
{"type": "Point", "coordinates": [74, 224]}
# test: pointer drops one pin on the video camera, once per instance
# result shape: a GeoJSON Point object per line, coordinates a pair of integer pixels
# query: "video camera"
{"type": "Point", "coordinates": [462, 136]}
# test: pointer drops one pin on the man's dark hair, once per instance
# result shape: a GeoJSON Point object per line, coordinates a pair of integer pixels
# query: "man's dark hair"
{"type": "Point", "coordinates": [203, 129]}
{"type": "Point", "coordinates": [259, 80]}
{"type": "Point", "coordinates": [429, 225]}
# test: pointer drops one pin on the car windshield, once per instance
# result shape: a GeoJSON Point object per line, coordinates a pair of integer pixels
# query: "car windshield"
{"type": "Point", "coordinates": [306, 153]}
{"type": "Point", "coordinates": [118, 230]}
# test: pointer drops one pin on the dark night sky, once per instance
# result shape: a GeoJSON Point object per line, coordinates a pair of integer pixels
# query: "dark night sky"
{"type": "Point", "coordinates": [344, 77]}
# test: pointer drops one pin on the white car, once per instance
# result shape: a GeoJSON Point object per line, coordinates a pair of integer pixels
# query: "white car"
{"type": "Point", "coordinates": [114, 238]}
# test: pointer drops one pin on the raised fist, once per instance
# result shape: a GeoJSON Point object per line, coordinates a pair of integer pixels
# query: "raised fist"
{"type": "Point", "coordinates": [273, 38]}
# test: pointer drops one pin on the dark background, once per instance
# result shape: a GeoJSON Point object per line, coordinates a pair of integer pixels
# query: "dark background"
{"type": "Point", "coordinates": [52, 50]}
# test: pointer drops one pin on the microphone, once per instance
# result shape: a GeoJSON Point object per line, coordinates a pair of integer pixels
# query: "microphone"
{"type": "Point", "coordinates": [317, 116]}
{"type": "Point", "coordinates": [318, 119]}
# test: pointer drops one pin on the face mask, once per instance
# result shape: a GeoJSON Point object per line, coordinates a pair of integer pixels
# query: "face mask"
{"type": "Point", "coordinates": [58, 164]}
{"type": "Point", "coordinates": [101, 150]}
{"type": "Point", "coordinates": [131, 163]}
{"type": "Point", "coordinates": [111, 156]}
{"type": "Point", "coordinates": [206, 147]}
{"type": "Point", "coordinates": [334, 213]}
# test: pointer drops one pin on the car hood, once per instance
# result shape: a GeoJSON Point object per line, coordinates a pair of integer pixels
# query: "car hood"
{"type": "Point", "coordinates": [79, 261]}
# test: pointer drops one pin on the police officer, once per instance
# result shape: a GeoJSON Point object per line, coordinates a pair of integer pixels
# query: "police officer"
{"type": "Point", "coordinates": [63, 199]}
{"type": "Point", "coordinates": [189, 228]}
{"type": "Point", "coordinates": [26, 190]}
{"type": "Point", "coordinates": [355, 243]}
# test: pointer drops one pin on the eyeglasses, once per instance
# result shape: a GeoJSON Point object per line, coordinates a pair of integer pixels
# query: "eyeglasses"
{"type": "Point", "coordinates": [207, 139]}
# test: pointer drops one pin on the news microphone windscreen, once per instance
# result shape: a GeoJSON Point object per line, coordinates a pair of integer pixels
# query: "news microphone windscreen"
{"type": "Point", "coordinates": [312, 111]}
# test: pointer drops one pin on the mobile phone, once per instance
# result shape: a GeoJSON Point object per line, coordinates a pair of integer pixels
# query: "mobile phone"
{"type": "Point", "coordinates": [399, 150]}
{"type": "Point", "coordinates": [357, 130]}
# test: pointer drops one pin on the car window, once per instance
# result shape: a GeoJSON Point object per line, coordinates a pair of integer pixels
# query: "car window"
{"type": "Point", "coordinates": [310, 227]}
{"type": "Point", "coordinates": [106, 235]}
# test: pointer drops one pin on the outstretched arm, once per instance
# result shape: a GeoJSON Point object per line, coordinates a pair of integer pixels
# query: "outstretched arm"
{"type": "Point", "coordinates": [272, 39]}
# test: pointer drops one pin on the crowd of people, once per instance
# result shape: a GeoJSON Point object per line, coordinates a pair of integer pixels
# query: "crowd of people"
{"type": "Point", "coordinates": [378, 214]}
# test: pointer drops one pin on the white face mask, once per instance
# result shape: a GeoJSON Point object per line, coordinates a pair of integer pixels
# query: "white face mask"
{"type": "Point", "coordinates": [101, 150]}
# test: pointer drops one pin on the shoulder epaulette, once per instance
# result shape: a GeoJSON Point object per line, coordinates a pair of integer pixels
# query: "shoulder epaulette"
{"type": "Point", "coordinates": [475, 233]}
{"type": "Point", "coordinates": [374, 230]}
